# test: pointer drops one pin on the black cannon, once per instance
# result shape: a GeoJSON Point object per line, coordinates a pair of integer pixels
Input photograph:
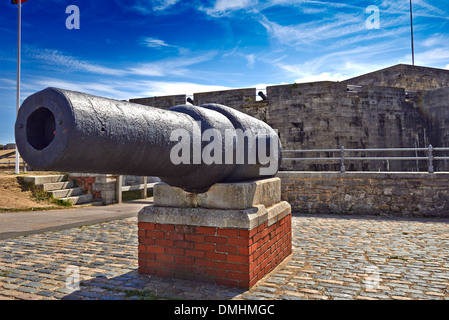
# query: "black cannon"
{"type": "Point", "coordinates": [186, 146]}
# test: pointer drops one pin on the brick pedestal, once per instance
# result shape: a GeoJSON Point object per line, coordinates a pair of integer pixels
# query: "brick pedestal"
{"type": "Point", "coordinates": [232, 235]}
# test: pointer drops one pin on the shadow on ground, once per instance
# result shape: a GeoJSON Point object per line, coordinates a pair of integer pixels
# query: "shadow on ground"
{"type": "Point", "coordinates": [371, 217]}
{"type": "Point", "coordinates": [134, 286]}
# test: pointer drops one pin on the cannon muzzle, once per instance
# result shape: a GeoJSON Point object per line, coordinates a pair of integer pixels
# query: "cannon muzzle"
{"type": "Point", "coordinates": [191, 147]}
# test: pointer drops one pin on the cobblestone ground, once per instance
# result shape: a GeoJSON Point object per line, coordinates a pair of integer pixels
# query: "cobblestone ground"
{"type": "Point", "coordinates": [334, 257]}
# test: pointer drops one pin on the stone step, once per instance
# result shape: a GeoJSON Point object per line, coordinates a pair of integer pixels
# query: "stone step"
{"type": "Point", "coordinates": [66, 193]}
{"type": "Point", "coordinates": [81, 199]}
{"type": "Point", "coordinates": [58, 186]}
{"type": "Point", "coordinates": [41, 180]}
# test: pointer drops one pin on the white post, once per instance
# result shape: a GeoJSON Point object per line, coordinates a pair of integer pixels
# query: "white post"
{"type": "Point", "coordinates": [118, 189]}
{"type": "Point", "coordinates": [19, 40]}
{"type": "Point", "coordinates": [145, 187]}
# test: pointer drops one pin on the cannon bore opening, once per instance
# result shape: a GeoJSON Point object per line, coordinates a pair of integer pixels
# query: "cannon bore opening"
{"type": "Point", "coordinates": [41, 128]}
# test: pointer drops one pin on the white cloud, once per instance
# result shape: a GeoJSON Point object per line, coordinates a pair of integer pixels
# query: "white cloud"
{"type": "Point", "coordinates": [94, 88]}
{"type": "Point", "coordinates": [340, 65]}
{"type": "Point", "coordinates": [420, 8]}
{"type": "Point", "coordinates": [154, 43]}
{"type": "Point", "coordinates": [340, 25]}
{"type": "Point", "coordinates": [325, 76]}
{"type": "Point", "coordinates": [8, 81]}
{"type": "Point", "coordinates": [55, 58]}
{"type": "Point", "coordinates": [314, 4]}
{"type": "Point", "coordinates": [251, 59]}
{"type": "Point", "coordinates": [147, 6]}
{"type": "Point", "coordinates": [434, 40]}
{"type": "Point", "coordinates": [121, 89]}
{"type": "Point", "coordinates": [162, 88]}
{"type": "Point", "coordinates": [173, 66]}
{"type": "Point", "coordinates": [163, 4]}
{"type": "Point", "coordinates": [168, 67]}
{"type": "Point", "coordinates": [432, 56]}
{"type": "Point", "coordinates": [225, 7]}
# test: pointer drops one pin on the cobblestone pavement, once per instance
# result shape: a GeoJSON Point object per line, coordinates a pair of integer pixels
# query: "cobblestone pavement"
{"type": "Point", "coordinates": [334, 257]}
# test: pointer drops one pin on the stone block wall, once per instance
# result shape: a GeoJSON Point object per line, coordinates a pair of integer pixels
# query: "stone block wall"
{"type": "Point", "coordinates": [243, 100]}
{"type": "Point", "coordinates": [324, 115]}
{"type": "Point", "coordinates": [102, 187]}
{"type": "Point", "coordinates": [398, 107]}
{"type": "Point", "coordinates": [405, 194]}
{"type": "Point", "coordinates": [165, 102]}
{"type": "Point", "coordinates": [435, 104]}
{"type": "Point", "coordinates": [405, 76]}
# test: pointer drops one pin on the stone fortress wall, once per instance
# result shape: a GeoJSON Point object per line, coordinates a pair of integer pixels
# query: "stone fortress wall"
{"type": "Point", "coordinates": [398, 107]}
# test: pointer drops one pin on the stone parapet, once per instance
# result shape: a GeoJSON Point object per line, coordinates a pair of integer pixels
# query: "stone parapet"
{"type": "Point", "coordinates": [402, 194]}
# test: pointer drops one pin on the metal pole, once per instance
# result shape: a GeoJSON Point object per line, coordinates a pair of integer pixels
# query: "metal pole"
{"type": "Point", "coordinates": [342, 168]}
{"type": "Point", "coordinates": [411, 23]}
{"type": "Point", "coordinates": [19, 41]}
{"type": "Point", "coordinates": [431, 169]}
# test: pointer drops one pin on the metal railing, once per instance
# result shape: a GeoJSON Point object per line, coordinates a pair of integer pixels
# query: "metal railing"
{"type": "Point", "coordinates": [10, 163]}
{"type": "Point", "coordinates": [144, 187]}
{"type": "Point", "coordinates": [343, 155]}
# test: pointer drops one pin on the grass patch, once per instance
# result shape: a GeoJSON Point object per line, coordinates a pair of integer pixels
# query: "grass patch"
{"type": "Point", "coordinates": [142, 294]}
{"type": "Point", "coordinates": [397, 258]}
{"type": "Point", "coordinates": [40, 195]}
{"type": "Point", "coordinates": [5, 273]}
{"type": "Point", "coordinates": [33, 209]}
{"type": "Point", "coordinates": [134, 195]}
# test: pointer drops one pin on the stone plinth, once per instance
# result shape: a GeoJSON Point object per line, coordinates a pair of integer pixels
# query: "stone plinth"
{"type": "Point", "coordinates": [232, 235]}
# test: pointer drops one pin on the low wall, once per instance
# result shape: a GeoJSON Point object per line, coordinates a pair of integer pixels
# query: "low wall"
{"type": "Point", "coordinates": [367, 193]}
{"type": "Point", "coordinates": [101, 186]}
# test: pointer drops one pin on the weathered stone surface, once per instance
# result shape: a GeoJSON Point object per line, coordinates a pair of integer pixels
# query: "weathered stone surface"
{"type": "Point", "coordinates": [360, 193]}
{"type": "Point", "coordinates": [242, 195]}
{"type": "Point", "coordinates": [218, 218]}
{"type": "Point", "coordinates": [400, 106]}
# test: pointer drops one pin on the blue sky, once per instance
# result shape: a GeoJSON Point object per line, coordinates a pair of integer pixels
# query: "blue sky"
{"type": "Point", "coordinates": [141, 48]}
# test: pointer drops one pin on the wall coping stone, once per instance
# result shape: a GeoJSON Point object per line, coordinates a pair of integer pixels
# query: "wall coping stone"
{"type": "Point", "coordinates": [246, 219]}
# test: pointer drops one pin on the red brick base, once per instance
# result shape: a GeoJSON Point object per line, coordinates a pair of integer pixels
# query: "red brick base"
{"type": "Point", "coordinates": [230, 257]}
{"type": "Point", "coordinates": [84, 182]}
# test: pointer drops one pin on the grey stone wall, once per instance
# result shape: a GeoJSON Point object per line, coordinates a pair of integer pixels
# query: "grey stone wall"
{"type": "Point", "coordinates": [165, 102]}
{"type": "Point", "coordinates": [243, 100]}
{"type": "Point", "coordinates": [325, 115]}
{"type": "Point", "coordinates": [367, 193]}
{"type": "Point", "coordinates": [398, 107]}
{"type": "Point", "coordinates": [405, 76]}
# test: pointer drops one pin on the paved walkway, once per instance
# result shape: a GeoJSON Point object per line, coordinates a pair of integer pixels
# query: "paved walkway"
{"type": "Point", "coordinates": [15, 224]}
{"type": "Point", "coordinates": [334, 257]}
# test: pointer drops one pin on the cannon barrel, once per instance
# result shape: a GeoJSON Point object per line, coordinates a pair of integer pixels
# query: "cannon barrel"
{"type": "Point", "coordinates": [191, 147]}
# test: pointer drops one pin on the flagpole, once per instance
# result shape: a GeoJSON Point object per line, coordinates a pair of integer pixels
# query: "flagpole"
{"type": "Point", "coordinates": [411, 23]}
{"type": "Point", "coordinates": [19, 47]}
